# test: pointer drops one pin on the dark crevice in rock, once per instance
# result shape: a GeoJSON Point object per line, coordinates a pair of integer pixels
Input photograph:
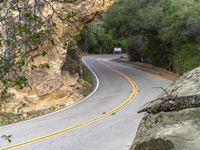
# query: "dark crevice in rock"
{"type": "Point", "coordinates": [155, 144]}
{"type": "Point", "coordinates": [73, 61]}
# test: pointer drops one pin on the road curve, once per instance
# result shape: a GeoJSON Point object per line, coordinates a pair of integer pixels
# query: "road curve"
{"type": "Point", "coordinates": [106, 120]}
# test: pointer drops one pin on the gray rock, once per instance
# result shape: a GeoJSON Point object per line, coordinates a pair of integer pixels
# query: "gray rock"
{"type": "Point", "coordinates": [9, 96]}
{"type": "Point", "coordinates": [16, 111]}
{"type": "Point", "coordinates": [173, 130]}
{"type": "Point", "coordinates": [188, 84]}
{"type": "Point", "coordinates": [31, 98]}
{"type": "Point", "coordinates": [50, 85]}
{"type": "Point", "coordinates": [25, 116]}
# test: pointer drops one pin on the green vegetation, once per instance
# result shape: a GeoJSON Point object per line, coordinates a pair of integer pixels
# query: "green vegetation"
{"type": "Point", "coordinates": [94, 38]}
{"type": "Point", "coordinates": [23, 26]}
{"type": "Point", "coordinates": [163, 33]}
{"type": "Point", "coordinates": [6, 118]}
{"type": "Point", "coordinates": [7, 138]}
{"type": "Point", "coordinates": [87, 76]}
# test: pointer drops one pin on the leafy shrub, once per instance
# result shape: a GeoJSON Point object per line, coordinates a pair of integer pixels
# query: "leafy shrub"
{"type": "Point", "coordinates": [187, 58]}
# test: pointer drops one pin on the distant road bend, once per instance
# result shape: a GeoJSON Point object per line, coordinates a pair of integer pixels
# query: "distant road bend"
{"type": "Point", "coordinates": [105, 120]}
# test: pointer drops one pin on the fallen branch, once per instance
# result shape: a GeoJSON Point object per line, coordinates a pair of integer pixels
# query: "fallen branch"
{"type": "Point", "coordinates": [168, 104]}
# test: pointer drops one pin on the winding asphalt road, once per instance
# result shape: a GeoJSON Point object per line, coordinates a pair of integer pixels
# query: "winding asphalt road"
{"type": "Point", "coordinates": [106, 120]}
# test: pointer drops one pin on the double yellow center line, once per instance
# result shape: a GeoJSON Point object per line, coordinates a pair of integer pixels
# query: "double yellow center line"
{"type": "Point", "coordinates": [93, 120]}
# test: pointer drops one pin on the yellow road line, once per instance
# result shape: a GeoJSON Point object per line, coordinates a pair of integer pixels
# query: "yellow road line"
{"type": "Point", "coordinates": [93, 120]}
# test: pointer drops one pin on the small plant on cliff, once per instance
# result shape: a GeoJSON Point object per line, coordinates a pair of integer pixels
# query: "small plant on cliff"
{"type": "Point", "coordinates": [86, 76]}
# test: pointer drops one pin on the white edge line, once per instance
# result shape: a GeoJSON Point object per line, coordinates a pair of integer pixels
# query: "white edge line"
{"type": "Point", "coordinates": [55, 112]}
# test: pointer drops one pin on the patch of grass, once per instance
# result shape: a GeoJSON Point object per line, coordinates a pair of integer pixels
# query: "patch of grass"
{"type": "Point", "coordinates": [87, 76]}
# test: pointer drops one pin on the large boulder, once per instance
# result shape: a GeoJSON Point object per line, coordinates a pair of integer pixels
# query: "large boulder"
{"type": "Point", "coordinates": [179, 130]}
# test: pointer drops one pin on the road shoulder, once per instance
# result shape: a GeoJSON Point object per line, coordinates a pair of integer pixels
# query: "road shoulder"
{"type": "Point", "coordinates": [149, 68]}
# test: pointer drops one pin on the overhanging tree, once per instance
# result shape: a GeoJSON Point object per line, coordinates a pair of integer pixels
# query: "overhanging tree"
{"type": "Point", "coordinates": [24, 24]}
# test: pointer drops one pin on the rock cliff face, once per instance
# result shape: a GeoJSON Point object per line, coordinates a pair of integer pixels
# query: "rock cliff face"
{"type": "Point", "coordinates": [178, 130]}
{"type": "Point", "coordinates": [60, 84]}
{"type": "Point", "coordinates": [80, 12]}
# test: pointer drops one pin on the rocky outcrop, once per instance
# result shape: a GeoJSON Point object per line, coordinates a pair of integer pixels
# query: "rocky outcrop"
{"type": "Point", "coordinates": [173, 130]}
{"type": "Point", "coordinates": [60, 84]}
{"type": "Point", "coordinates": [74, 15]}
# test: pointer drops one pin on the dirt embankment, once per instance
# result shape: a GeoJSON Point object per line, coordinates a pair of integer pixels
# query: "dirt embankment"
{"type": "Point", "coordinates": [29, 105]}
{"type": "Point", "coordinates": [149, 68]}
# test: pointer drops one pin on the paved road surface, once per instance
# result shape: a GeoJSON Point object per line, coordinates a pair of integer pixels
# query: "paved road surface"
{"type": "Point", "coordinates": [106, 129]}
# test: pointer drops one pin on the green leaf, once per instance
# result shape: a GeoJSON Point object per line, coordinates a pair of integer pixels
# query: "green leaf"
{"type": "Point", "coordinates": [33, 67]}
{"type": "Point", "coordinates": [70, 15]}
{"type": "Point", "coordinates": [7, 138]}
{"type": "Point", "coordinates": [35, 37]}
{"type": "Point", "coordinates": [44, 53]}
{"type": "Point", "coordinates": [29, 15]}
{"type": "Point", "coordinates": [20, 81]}
{"type": "Point", "coordinates": [4, 82]}
{"type": "Point", "coordinates": [47, 66]}
{"type": "Point", "coordinates": [22, 62]}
